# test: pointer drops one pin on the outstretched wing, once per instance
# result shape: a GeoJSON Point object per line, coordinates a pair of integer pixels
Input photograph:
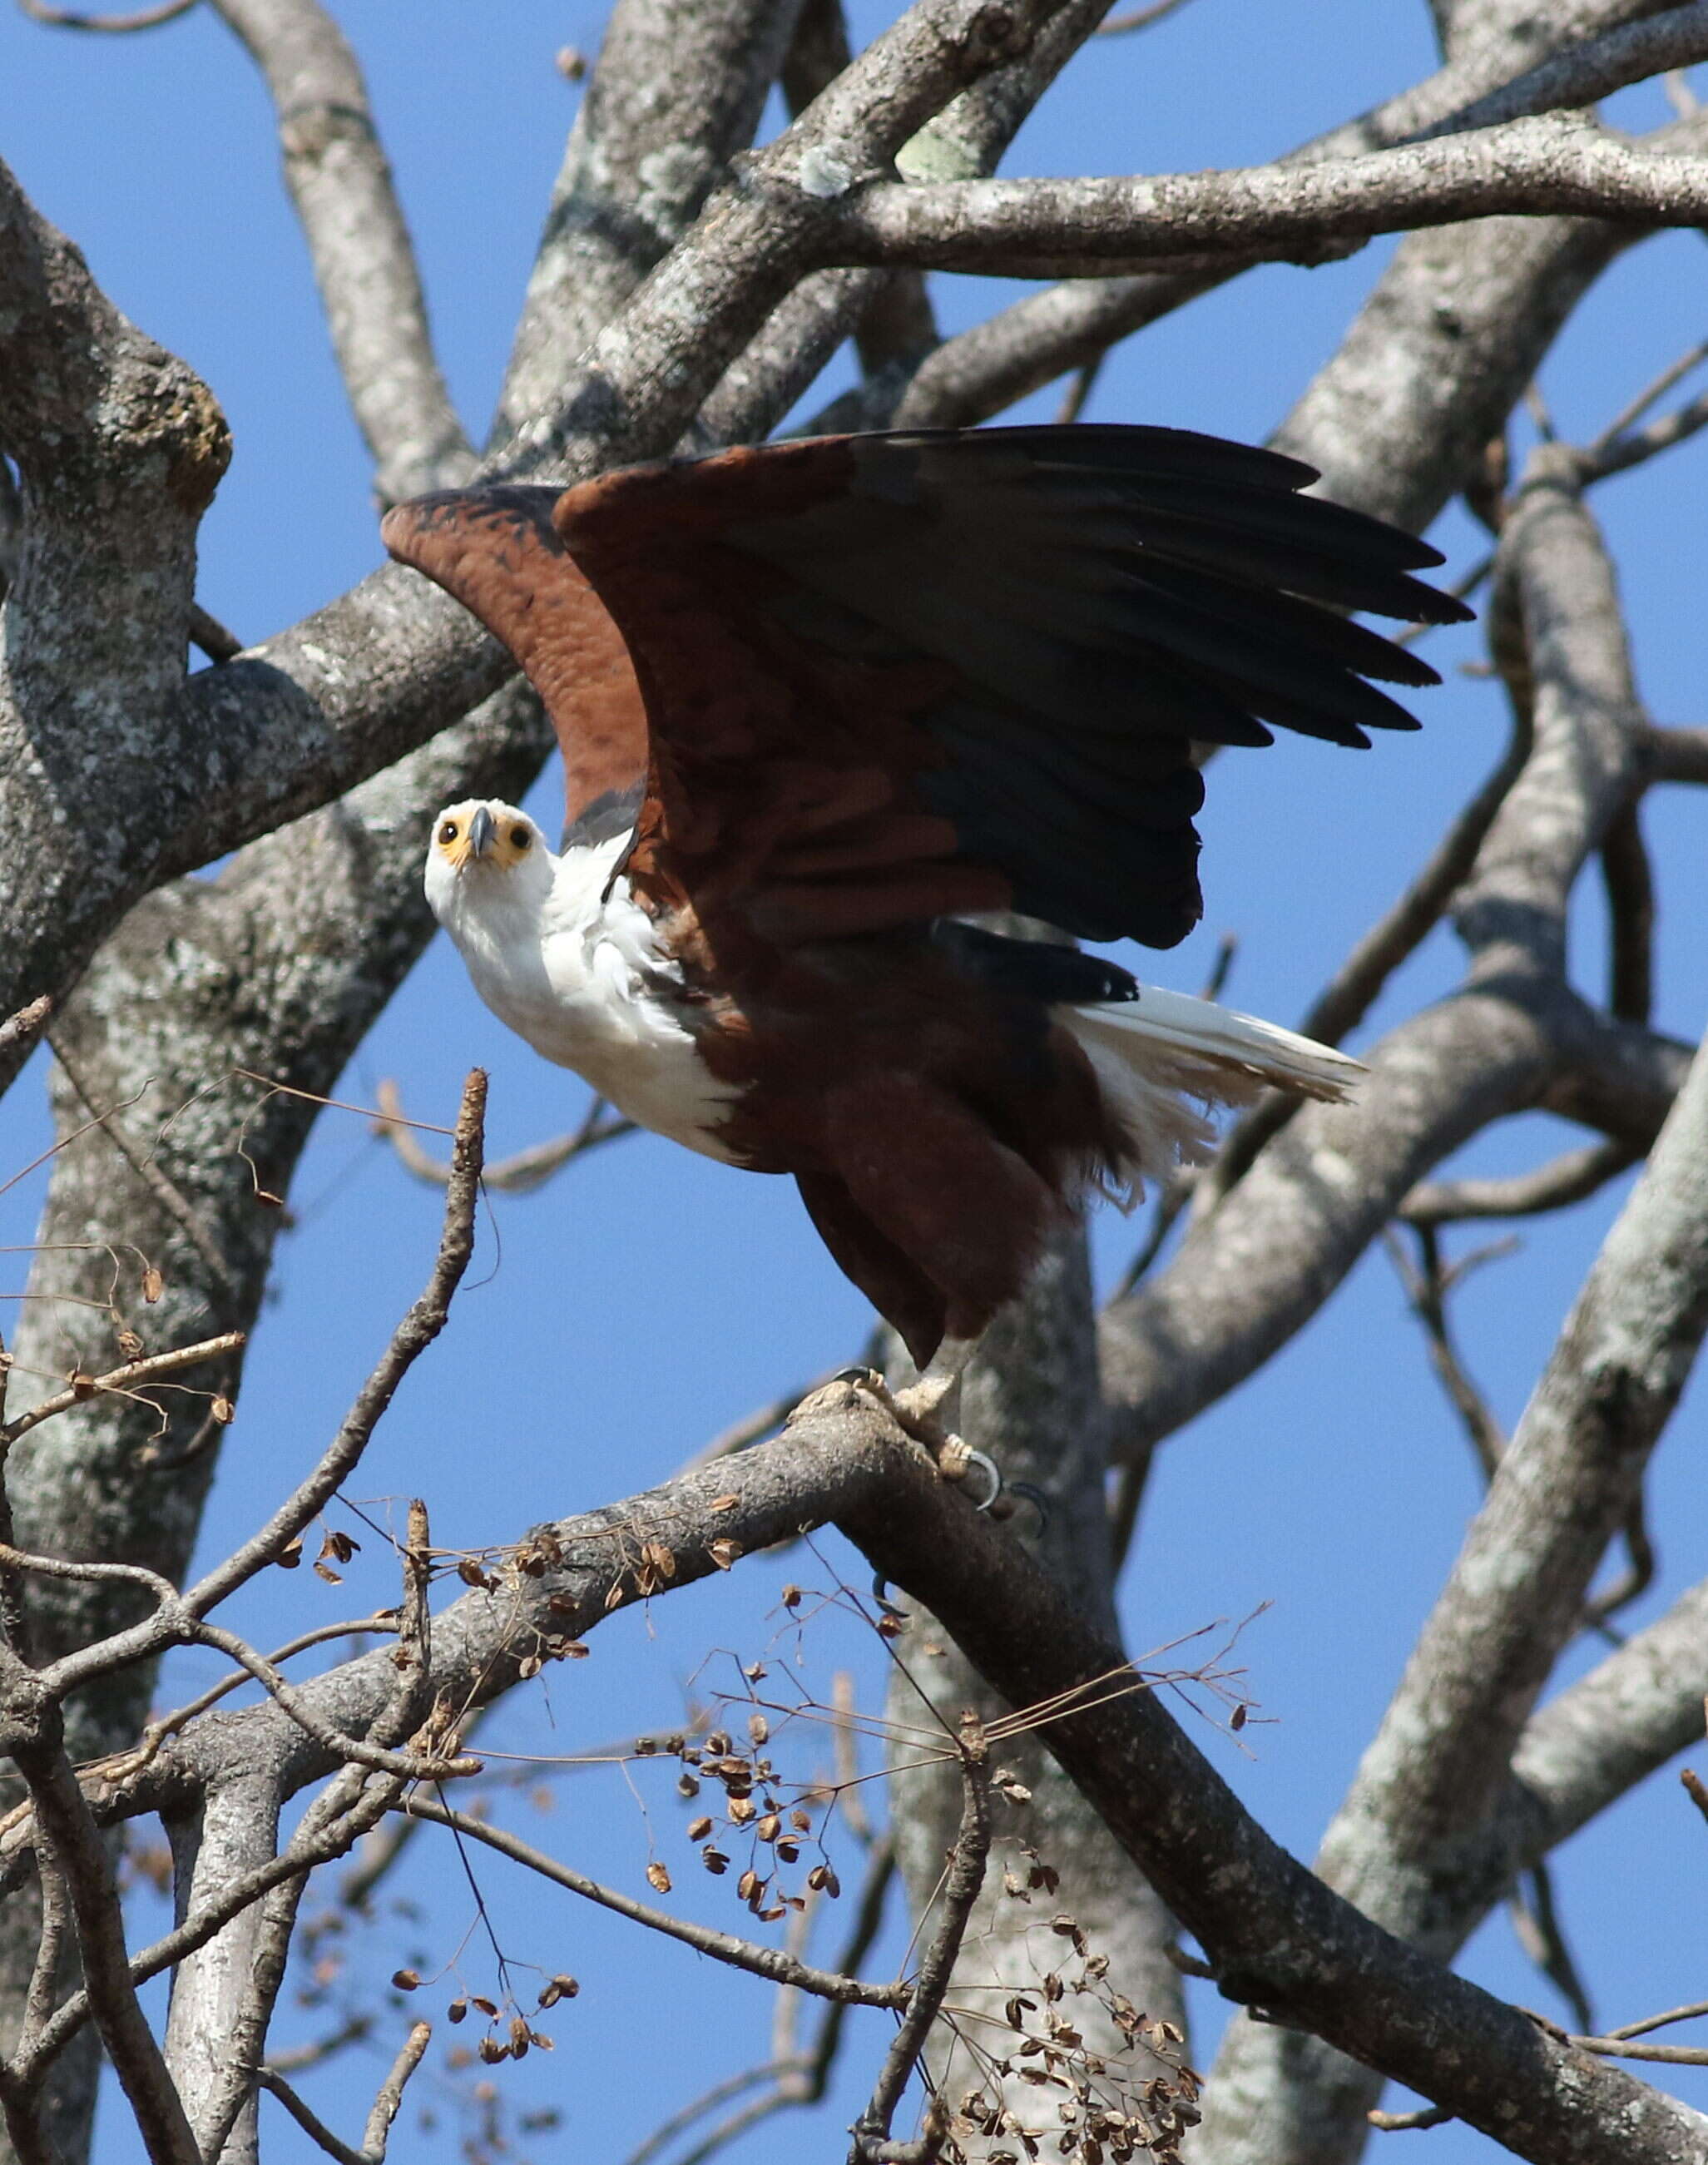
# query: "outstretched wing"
{"type": "Point", "coordinates": [892, 678]}
{"type": "Point", "coordinates": [497, 551]}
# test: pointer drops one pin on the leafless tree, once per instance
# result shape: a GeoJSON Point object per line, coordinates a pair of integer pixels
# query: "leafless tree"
{"type": "Point", "coordinates": [694, 312]}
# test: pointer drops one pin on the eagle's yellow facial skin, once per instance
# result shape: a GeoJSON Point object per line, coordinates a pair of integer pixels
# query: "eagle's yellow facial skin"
{"type": "Point", "coordinates": [510, 843]}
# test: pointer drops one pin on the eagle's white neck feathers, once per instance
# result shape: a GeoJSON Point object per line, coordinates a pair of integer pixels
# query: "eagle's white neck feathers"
{"type": "Point", "coordinates": [579, 972]}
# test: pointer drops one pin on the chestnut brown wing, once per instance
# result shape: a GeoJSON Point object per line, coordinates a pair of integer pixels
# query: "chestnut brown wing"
{"type": "Point", "coordinates": [497, 551]}
{"type": "Point", "coordinates": [890, 678]}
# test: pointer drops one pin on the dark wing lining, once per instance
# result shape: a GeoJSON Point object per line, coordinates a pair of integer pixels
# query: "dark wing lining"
{"type": "Point", "coordinates": [980, 655]}
{"type": "Point", "coordinates": [497, 551]}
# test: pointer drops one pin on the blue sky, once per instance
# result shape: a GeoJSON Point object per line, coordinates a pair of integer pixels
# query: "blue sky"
{"type": "Point", "coordinates": [1334, 1486]}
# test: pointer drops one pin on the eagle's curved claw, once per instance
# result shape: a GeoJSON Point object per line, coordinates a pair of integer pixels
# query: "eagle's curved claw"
{"type": "Point", "coordinates": [1036, 1497]}
{"type": "Point", "coordinates": [957, 1460]}
{"type": "Point", "coordinates": [880, 1594]}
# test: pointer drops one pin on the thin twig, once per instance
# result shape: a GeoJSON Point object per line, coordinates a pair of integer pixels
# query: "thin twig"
{"type": "Point", "coordinates": [1643, 444]}
{"type": "Point", "coordinates": [1629, 880]}
{"type": "Point", "coordinates": [407, 1766]}
{"type": "Point", "coordinates": [1425, 1284]}
{"type": "Point", "coordinates": [1688, 2013]}
{"type": "Point", "coordinates": [1535, 1921]}
{"type": "Point", "coordinates": [708, 2100]}
{"type": "Point", "coordinates": [1079, 389]}
{"type": "Point", "coordinates": [1629, 415]}
{"type": "Point", "coordinates": [126, 1378]}
{"type": "Point", "coordinates": [1392, 2123]}
{"type": "Point", "coordinates": [961, 1890]}
{"type": "Point", "coordinates": [769, 1962]}
{"type": "Point", "coordinates": [752, 1428]}
{"type": "Point", "coordinates": [1632, 1583]}
{"type": "Point", "coordinates": [1566, 1179]}
{"type": "Point", "coordinates": [845, 1744]}
{"type": "Point", "coordinates": [170, 1196]}
{"type": "Point", "coordinates": [426, 1319]}
{"type": "Point", "coordinates": [391, 2092]}
{"type": "Point", "coordinates": [1138, 18]}
{"type": "Point", "coordinates": [271, 2080]}
{"type": "Point", "coordinates": [17, 1029]}
{"type": "Point", "coordinates": [295, 2058]}
{"type": "Point", "coordinates": [207, 632]}
{"type": "Point", "coordinates": [1615, 2048]}
{"type": "Point", "coordinates": [518, 1174]}
{"type": "Point", "coordinates": [168, 1725]}
{"type": "Point", "coordinates": [70, 18]}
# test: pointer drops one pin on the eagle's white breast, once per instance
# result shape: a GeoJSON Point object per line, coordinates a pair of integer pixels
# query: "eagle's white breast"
{"type": "Point", "coordinates": [580, 973]}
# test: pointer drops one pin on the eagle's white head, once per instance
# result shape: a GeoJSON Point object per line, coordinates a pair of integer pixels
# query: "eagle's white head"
{"type": "Point", "coordinates": [489, 868]}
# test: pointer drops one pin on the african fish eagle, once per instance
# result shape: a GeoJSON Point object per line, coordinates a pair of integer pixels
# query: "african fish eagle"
{"type": "Point", "coordinates": [820, 703]}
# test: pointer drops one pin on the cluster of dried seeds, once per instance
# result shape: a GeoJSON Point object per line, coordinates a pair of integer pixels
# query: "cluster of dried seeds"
{"type": "Point", "coordinates": [1107, 2106]}
{"type": "Point", "coordinates": [776, 1830]}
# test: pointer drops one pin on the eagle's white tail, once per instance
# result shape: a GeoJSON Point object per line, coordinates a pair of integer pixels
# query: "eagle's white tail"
{"type": "Point", "coordinates": [1165, 1059]}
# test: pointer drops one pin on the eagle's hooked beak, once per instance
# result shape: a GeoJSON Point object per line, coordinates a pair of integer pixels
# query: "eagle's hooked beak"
{"type": "Point", "coordinates": [482, 831]}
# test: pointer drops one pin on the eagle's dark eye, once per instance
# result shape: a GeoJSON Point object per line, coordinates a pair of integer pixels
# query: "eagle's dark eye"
{"type": "Point", "coordinates": [447, 831]}
{"type": "Point", "coordinates": [520, 838]}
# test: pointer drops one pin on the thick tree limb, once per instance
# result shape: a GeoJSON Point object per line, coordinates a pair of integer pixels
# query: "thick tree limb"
{"type": "Point", "coordinates": [363, 261]}
{"type": "Point", "coordinates": [1026, 345]}
{"type": "Point", "coordinates": [120, 448]}
{"type": "Point", "coordinates": [234, 1830]}
{"type": "Point", "coordinates": [647, 149]}
{"type": "Point", "coordinates": [1271, 1932]}
{"type": "Point", "coordinates": [1511, 915]}
{"type": "Point", "coordinates": [1062, 228]}
{"type": "Point", "coordinates": [1437, 1770]}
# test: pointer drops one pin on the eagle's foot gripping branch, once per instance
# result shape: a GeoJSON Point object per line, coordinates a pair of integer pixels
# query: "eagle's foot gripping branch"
{"type": "Point", "coordinates": [919, 1408]}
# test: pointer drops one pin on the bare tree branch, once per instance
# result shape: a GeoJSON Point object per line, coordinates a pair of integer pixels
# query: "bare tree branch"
{"type": "Point", "coordinates": [961, 1892]}
{"type": "Point", "coordinates": [33, 1740]}
{"type": "Point", "coordinates": [982, 370]}
{"type": "Point", "coordinates": [364, 262]}
{"type": "Point", "coordinates": [1062, 228]}
{"type": "Point", "coordinates": [1676, 755]}
{"type": "Point", "coordinates": [1566, 1179]}
{"type": "Point", "coordinates": [120, 448]}
{"type": "Point", "coordinates": [760, 1961]}
{"type": "Point", "coordinates": [68, 18]}
{"type": "Point", "coordinates": [426, 1319]}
